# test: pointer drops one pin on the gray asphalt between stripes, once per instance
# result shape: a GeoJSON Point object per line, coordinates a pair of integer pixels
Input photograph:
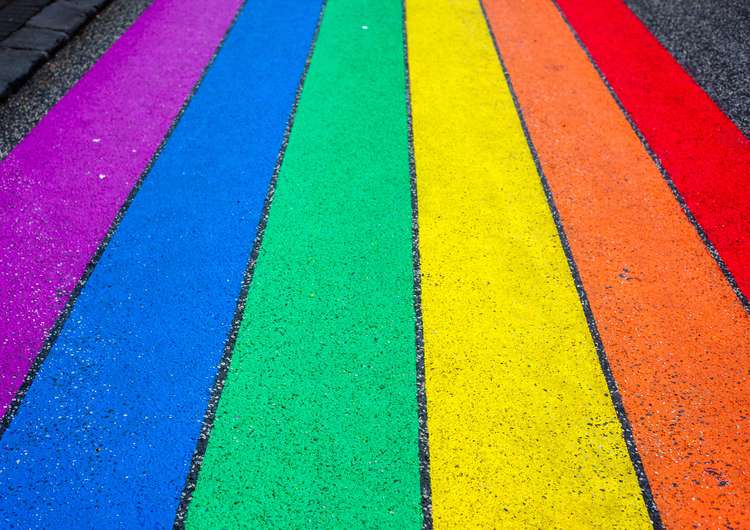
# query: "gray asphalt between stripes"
{"type": "Point", "coordinates": [23, 110]}
{"type": "Point", "coordinates": [711, 40]}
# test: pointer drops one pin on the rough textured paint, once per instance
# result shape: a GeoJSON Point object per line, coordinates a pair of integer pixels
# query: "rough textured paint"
{"type": "Point", "coordinates": [523, 433]}
{"type": "Point", "coordinates": [317, 426]}
{"type": "Point", "coordinates": [710, 39]}
{"type": "Point", "coordinates": [105, 434]}
{"type": "Point", "coordinates": [64, 183]}
{"type": "Point", "coordinates": [675, 334]}
{"type": "Point", "coordinates": [704, 153]}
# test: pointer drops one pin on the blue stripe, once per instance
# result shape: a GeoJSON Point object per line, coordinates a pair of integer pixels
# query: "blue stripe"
{"type": "Point", "coordinates": [106, 432]}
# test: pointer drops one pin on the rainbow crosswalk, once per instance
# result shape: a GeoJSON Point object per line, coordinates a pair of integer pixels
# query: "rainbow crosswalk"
{"type": "Point", "coordinates": [338, 264]}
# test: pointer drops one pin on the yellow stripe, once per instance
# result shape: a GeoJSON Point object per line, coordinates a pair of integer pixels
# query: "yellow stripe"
{"type": "Point", "coordinates": [522, 429]}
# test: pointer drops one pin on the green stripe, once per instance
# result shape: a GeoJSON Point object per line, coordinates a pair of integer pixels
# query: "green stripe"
{"type": "Point", "coordinates": [317, 424]}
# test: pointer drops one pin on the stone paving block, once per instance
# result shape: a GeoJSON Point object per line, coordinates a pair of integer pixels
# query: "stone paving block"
{"type": "Point", "coordinates": [90, 6]}
{"type": "Point", "coordinates": [14, 15]}
{"type": "Point", "coordinates": [40, 26]}
{"type": "Point", "coordinates": [60, 16]}
{"type": "Point", "coordinates": [39, 4]}
{"type": "Point", "coordinates": [7, 27]}
{"type": "Point", "coordinates": [17, 65]}
{"type": "Point", "coordinates": [45, 40]}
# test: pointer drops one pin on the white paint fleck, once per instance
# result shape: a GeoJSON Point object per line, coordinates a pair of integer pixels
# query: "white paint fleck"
{"type": "Point", "coordinates": [364, 27]}
{"type": "Point", "coordinates": [96, 140]}
{"type": "Point", "coordinates": [102, 176]}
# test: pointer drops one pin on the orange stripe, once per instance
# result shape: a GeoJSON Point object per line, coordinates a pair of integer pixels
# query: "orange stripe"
{"type": "Point", "coordinates": [676, 336]}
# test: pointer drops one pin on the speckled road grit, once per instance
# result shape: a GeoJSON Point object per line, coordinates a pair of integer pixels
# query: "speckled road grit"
{"type": "Point", "coordinates": [676, 336]}
{"type": "Point", "coordinates": [105, 434]}
{"type": "Point", "coordinates": [317, 426]}
{"type": "Point", "coordinates": [62, 186]}
{"type": "Point", "coordinates": [523, 433]}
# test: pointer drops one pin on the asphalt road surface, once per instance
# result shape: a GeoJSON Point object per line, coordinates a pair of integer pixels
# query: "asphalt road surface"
{"type": "Point", "coordinates": [351, 264]}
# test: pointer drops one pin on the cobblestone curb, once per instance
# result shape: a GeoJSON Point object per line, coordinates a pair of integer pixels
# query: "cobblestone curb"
{"type": "Point", "coordinates": [32, 30]}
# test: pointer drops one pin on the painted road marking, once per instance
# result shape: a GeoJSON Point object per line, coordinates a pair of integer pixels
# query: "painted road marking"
{"type": "Point", "coordinates": [706, 156]}
{"type": "Point", "coordinates": [55, 210]}
{"type": "Point", "coordinates": [317, 424]}
{"type": "Point", "coordinates": [675, 334]}
{"type": "Point", "coordinates": [105, 433]}
{"type": "Point", "coordinates": [523, 432]}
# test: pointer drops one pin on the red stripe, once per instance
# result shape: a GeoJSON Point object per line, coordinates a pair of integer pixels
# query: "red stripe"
{"type": "Point", "coordinates": [704, 153]}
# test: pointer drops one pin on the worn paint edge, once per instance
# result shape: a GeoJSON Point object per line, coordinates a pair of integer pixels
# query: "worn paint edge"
{"type": "Point", "coordinates": [226, 360]}
{"type": "Point", "coordinates": [614, 391]}
{"type": "Point", "coordinates": [424, 438]}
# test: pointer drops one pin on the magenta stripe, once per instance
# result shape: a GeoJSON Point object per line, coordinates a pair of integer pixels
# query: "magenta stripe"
{"type": "Point", "coordinates": [62, 186]}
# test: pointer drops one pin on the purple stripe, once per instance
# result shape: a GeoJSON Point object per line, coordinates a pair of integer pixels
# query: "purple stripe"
{"type": "Point", "coordinates": [62, 186]}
